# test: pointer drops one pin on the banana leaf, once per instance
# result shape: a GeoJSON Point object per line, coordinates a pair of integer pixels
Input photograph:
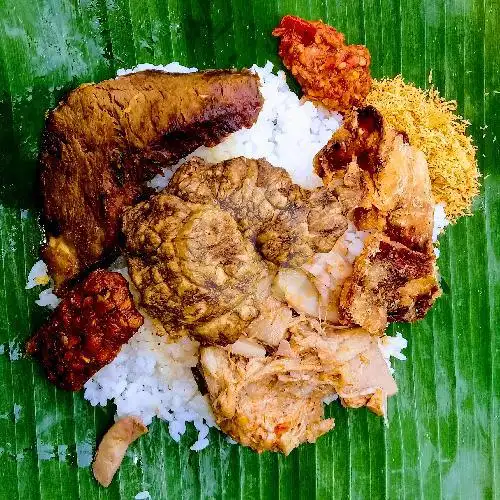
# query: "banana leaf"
{"type": "Point", "coordinates": [442, 438]}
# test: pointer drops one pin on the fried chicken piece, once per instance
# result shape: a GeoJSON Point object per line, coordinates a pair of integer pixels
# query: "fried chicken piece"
{"type": "Point", "coordinates": [276, 402]}
{"type": "Point", "coordinates": [271, 325]}
{"type": "Point", "coordinates": [193, 267]}
{"type": "Point", "coordinates": [389, 283]}
{"type": "Point", "coordinates": [289, 224]}
{"type": "Point", "coordinates": [359, 138]}
{"type": "Point", "coordinates": [204, 251]}
{"type": "Point", "coordinates": [382, 182]}
{"type": "Point", "coordinates": [384, 186]}
{"type": "Point", "coordinates": [329, 71]}
{"type": "Point", "coordinates": [314, 289]}
{"type": "Point", "coordinates": [87, 330]}
{"type": "Point", "coordinates": [105, 139]}
{"type": "Point", "coordinates": [362, 377]}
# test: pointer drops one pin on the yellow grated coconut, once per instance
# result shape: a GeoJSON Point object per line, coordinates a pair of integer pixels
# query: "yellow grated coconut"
{"type": "Point", "coordinates": [433, 127]}
{"type": "Point", "coordinates": [42, 280]}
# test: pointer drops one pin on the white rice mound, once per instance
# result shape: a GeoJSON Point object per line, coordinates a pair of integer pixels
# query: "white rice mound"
{"type": "Point", "coordinates": [38, 275]}
{"type": "Point", "coordinates": [152, 377]}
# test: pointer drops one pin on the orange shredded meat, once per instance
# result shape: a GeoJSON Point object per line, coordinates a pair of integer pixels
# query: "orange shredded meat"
{"type": "Point", "coordinates": [329, 71]}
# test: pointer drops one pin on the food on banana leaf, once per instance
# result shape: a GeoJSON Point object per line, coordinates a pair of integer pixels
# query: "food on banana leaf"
{"type": "Point", "coordinates": [266, 265]}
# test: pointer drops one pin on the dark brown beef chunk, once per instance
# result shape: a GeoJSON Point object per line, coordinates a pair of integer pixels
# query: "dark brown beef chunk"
{"type": "Point", "coordinates": [105, 139]}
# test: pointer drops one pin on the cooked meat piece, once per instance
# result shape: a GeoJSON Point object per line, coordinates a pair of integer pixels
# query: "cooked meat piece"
{"type": "Point", "coordinates": [296, 288]}
{"type": "Point", "coordinates": [270, 403]}
{"type": "Point", "coordinates": [405, 186]}
{"type": "Point", "coordinates": [113, 447]}
{"type": "Point", "coordinates": [362, 377]}
{"type": "Point", "coordinates": [329, 71]}
{"type": "Point", "coordinates": [87, 330]}
{"type": "Point", "coordinates": [359, 138]}
{"type": "Point", "coordinates": [193, 266]}
{"type": "Point", "coordinates": [276, 402]}
{"type": "Point", "coordinates": [248, 348]}
{"type": "Point", "coordinates": [389, 283]}
{"type": "Point", "coordinates": [303, 229]}
{"type": "Point", "coordinates": [271, 325]}
{"type": "Point", "coordinates": [288, 223]}
{"type": "Point", "coordinates": [381, 181]}
{"type": "Point", "coordinates": [104, 140]}
{"type": "Point", "coordinates": [314, 290]}
{"type": "Point", "coordinates": [202, 255]}
{"type": "Point", "coordinates": [384, 186]}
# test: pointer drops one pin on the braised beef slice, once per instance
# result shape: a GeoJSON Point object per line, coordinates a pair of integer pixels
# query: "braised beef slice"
{"type": "Point", "coordinates": [104, 140]}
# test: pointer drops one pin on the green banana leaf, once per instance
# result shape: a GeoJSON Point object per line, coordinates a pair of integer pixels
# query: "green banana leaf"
{"type": "Point", "coordinates": [442, 438]}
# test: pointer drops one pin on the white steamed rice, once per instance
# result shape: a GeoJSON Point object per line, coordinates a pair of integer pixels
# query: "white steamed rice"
{"type": "Point", "coordinates": [151, 377]}
{"type": "Point", "coordinates": [38, 275]}
{"type": "Point", "coordinates": [440, 222]}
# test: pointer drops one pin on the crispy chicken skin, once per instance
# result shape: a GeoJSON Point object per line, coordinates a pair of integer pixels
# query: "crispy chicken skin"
{"type": "Point", "coordinates": [276, 402]}
{"type": "Point", "coordinates": [389, 283]}
{"type": "Point", "coordinates": [113, 447]}
{"type": "Point", "coordinates": [105, 139]}
{"type": "Point", "coordinates": [384, 186]}
{"type": "Point", "coordinates": [203, 252]}
{"type": "Point", "coordinates": [382, 182]}
{"type": "Point", "coordinates": [87, 330]}
{"type": "Point", "coordinates": [360, 138]}
{"type": "Point", "coordinates": [329, 71]}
